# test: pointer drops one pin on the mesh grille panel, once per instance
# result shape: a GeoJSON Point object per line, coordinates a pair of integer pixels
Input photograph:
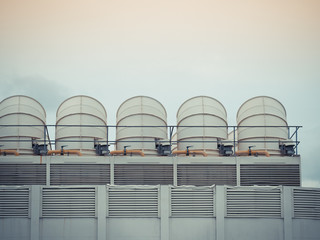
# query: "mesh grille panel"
{"type": "Point", "coordinates": [22, 174]}
{"type": "Point", "coordinates": [206, 174]}
{"type": "Point", "coordinates": [272, 175]}
{"type": "Point", "coordinates": [77, 174]}
{"type": "Point", "coordinates": [143, 174]}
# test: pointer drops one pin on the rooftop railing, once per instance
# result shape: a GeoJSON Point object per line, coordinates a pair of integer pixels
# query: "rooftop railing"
{"type": "Point", "coordinates": [110, 138]}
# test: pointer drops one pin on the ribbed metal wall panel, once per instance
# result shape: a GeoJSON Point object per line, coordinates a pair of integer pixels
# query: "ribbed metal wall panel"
{"type": "Point", "coordinates": [206, 174]}
{"type": "Point", "coordinates": [77, 174]}
{"type": "Point", "coordinates": [260, 202]}
{"type": "Point", "coordinates": [14, 202]}
{"type": "Point", "coordinates": [192, 202]}
{"type": "Point", "coordinates": [143, 174]}
{"type": "Point", "coordinates": [133, 201]}
{"type": "Point", "coordinates": [306, 203]}
{"type": "Point", "coordinates": [22, 174]}
{"type": "Point", "coordinates": [270, 174]}
{"type": "Point", "coordinates": [68, 202]}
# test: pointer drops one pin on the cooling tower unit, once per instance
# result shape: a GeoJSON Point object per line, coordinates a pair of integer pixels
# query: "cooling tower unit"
{"type": "Point", "coordinates": [21, 110]}
{"type": "Point", "coordinates": [195, 119]}
{"type": "Point", "coordinates": [143, 112]}
{"type": "Point", "coordinates": [81, 112]}
{"type": "Point", "coordinates": [174, 142]}
{"type": "Point", "coordinates": [266, 112]}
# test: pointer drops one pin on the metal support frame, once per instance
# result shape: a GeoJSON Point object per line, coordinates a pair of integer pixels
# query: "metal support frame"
{"type": "Point", "coordinates": [296, 136]}
{"type": "Point", "coordinates": [171, 129]}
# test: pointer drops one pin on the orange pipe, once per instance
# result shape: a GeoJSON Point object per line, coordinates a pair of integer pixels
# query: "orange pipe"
{"type": "Point", "coordinates": [127, 151]}
{"type": "Point", "coordinates": [253, 152]}
{"type": "Point", "coordinates": [65, 151]}
{"type": "Point", "coordinates": [9, 151]}
{"type": "Point", "coordinates": [203, 153]}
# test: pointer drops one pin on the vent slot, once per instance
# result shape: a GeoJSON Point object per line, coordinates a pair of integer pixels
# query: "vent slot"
{"type": "Point", "coordinates": [143, 174]}
{"type": "Point", "coordinates": [22, 174]}
{"type": "Point", "coordinates": [133, 202]}
{"type": "Point", "coordinates": [77, 174]}
{"type": "Point", "coordinates": [14, 202]}
{"type": "Point", "coordinates": [272, 175]}
{"type": "Point", "coordinates": [68, 202]}
{"type": "Point", "coordinates": [262, 202]}
{"type": "Point", "coordinates": [306, 203]}
{"type": "Point", "coordinates": [194, 202]}
{"type": "Point", "coordinates": [206, 174]}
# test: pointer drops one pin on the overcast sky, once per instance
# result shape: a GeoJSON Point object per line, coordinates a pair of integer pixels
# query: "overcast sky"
{"type": "Point", "coordinates": [170, 50]}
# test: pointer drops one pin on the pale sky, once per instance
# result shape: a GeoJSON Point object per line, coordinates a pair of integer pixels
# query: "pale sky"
{"type": "Point", "coordinates": [170, 50]}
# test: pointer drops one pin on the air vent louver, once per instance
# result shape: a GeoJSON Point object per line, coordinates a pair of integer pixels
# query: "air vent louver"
{"type": "Point", "coordinates": [192, 202]}
{"type": "Point", "coordinates": [68, 202]}
{"type": "Point", "coordinates": [133, 202]}
{"type": "Point", "coordinates": [306, 203]}
{"type": "Point", "coordinates": [258, 202]}
{"type": "Point", "coordinates": [14, 202]}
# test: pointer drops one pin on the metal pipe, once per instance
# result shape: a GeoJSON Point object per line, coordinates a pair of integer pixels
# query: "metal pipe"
{"type": "Point", "coordinates": [253, 152]}
{"type": "Point", "coordinates": [203, 153]}
{"type": "Point", "coordinates": [65, 151]}
{"type": "Point", "coordinates": [6, 151]}
{"type": "Point", "coordinates": [115, 152]}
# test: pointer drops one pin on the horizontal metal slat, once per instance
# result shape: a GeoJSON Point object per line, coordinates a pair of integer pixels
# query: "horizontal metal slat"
{"type": "Point", "coordinates": [254, 203]}
{"type": "Point", "coordinates": [192, 202]}
{"type": "Point", "coordinates": [14, 202]}
{"type": "Point", "coordinates": [68, 202]}
{"type": "Point", "coordinates": [133, 203]}
{"type": "Point", "coordinates": [306, 203]}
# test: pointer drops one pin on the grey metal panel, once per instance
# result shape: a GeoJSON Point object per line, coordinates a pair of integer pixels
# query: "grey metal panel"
{"type": "Point", "coordinates": [270, 174]}
{"type": "Point", "coordinates": [77, 174]}
{"type": "Point", "coordinates": [143, 174]}
{"type": "Point", "coordinates": [206, 174]}
{"type": "Point", "coordinates": [14, 202]}
{"type": "Point", "coordinates": [192, 202]}
{"type": "Point", "coordinates": [249, 202]}
{"type": "Point", "coordinates": [306, 203]}
{"type": "Point", "coordinates": [133, 201]}
{"type": "Point", "coordinates": [68, 202]}
{"type": "Point", "coordinates": [22, 174]}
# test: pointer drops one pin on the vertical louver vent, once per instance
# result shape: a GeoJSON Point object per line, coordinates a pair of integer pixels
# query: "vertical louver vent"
{"type": "Point", "coordinates": [14, 202]}
{"type": "Point", "coordinates": [133, 202]}
{"type": "Point", "coordinates": [272, 175]}
{"type": "Point", "coordinates": [22, 174]}
{"type": "Point", "coordinates": [143, 174]}
{"type": "Point", "coordinates": [192, 202]}
{"type": "Point", "coordinates": [258, 202]}
{"type": "Point", "coordinates": [206, 174]}
{"type": "Point", "coordinates": [68, 202]}
{"type": "Point", "coordinates": [306, 203]}
{"type": "Point", "coordinates": [77, 174]}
